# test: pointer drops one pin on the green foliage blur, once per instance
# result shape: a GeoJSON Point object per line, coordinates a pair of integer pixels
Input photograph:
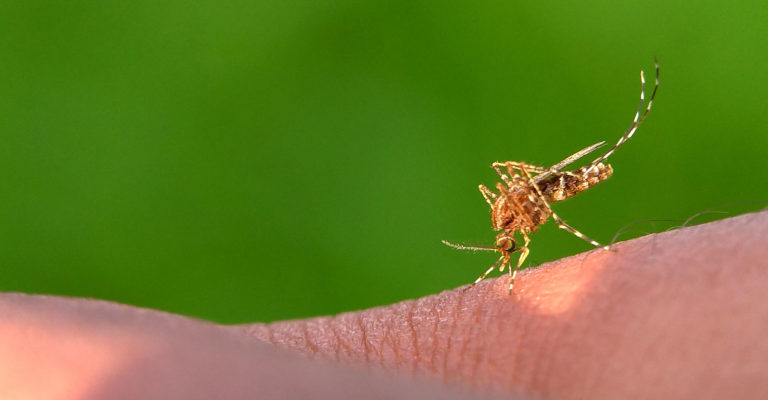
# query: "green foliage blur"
{"type": "Point", "coordinates": [262, 160]}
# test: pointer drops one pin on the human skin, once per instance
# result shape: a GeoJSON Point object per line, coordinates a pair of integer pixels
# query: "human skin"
{"type": "Point", "coordinates": [680, 314]}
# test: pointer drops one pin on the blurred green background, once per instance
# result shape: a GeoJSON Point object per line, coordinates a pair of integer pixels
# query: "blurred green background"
{"type": "Point", "coordinates": [263, 160]}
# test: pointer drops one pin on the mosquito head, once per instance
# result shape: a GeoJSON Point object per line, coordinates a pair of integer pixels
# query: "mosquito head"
{"type": "Point", "coordinates": [505, 243]}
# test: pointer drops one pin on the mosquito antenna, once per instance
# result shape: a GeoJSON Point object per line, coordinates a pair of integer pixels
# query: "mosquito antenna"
{"type": "Point", "coordinates": [463, 247]}
{"type": "Point", "coordinates": [638, 118]}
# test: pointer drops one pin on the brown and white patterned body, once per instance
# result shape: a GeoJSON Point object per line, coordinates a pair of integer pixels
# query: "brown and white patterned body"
{"type": "Point", "coordinates": [566, 185]}
{"type": "Point", "coordinates": [520, 209]}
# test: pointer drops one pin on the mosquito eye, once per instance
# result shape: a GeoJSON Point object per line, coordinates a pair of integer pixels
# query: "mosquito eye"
{"type": "Point", "coordinates": [506, 243]}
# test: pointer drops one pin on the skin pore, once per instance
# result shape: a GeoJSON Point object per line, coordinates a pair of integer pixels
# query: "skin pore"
{"type": "Point", "coordinates": [680, 314]}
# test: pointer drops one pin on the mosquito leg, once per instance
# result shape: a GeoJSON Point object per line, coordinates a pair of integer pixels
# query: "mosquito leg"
{"type": "Point", "coordinates": [481, 277]}
{"type": "Point", "coordinates": [560, 223]}
{"type": "Point", "coordinates": [503, 176]}
{"type": "Point", "coordinates": [523, 256]}
{"type": "Point", "coordinates": [512, 165]}
{"type": "Point", "coordinates": [504, 263]}
{"type": "Point", "coordinates": [487, 194]}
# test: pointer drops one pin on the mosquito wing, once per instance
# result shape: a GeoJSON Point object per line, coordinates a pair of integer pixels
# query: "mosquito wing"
{"type": "Point", "coordinates": [572, 158]}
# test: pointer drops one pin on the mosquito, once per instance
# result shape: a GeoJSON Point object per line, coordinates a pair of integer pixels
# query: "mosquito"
{"type": "Point", "coordinates": [523, 199]}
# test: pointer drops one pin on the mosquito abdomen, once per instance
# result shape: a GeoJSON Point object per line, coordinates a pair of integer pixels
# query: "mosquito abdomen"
{"type": "Point", "coordinates": [569, 184]}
